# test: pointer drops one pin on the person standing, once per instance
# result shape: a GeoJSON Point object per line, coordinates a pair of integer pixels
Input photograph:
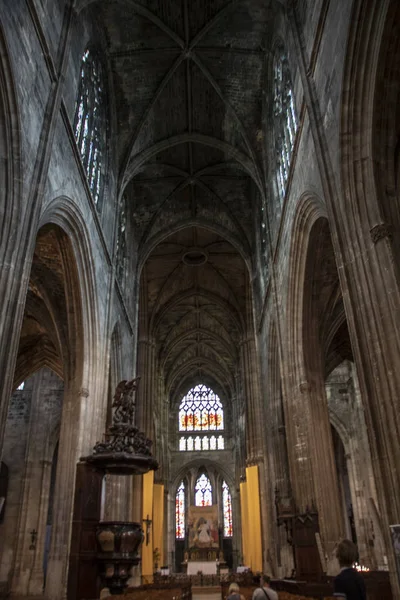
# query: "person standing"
{"type": "Point", "coordinates": [265, 592]}
{"type": "Point", "coordinates": [234, 592]}
{"type": "Point", "coordinates": [348, 584]}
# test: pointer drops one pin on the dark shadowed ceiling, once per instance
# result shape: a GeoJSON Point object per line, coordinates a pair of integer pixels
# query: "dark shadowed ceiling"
{"type": "Point", "coordinates": [189, 78]}
{"type": "Point", "coordinates": [189, 82]}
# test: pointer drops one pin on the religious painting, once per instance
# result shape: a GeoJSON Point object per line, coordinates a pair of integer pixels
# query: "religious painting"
{"type": "Point", "coordinates": [203, 526]}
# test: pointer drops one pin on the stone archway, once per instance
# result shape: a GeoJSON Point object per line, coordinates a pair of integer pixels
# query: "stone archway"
{"type": "Point", "coordinates": [313, 298]}
{"type": "Point", "coordinates": [53, 336]}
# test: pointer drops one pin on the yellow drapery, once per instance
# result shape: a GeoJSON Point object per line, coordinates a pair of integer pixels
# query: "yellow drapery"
{"type": "Point", "coordinates": [158, 521]}
{"type": "Point", "coordinates": [245, 528]}
{"type": "Point", "coordinates": [147, 513]}
{"type": "Point", "coordinates": [254, 541]}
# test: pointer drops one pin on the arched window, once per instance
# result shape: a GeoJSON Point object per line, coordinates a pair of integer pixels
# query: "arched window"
{"type": "Point", "coordinates": [91, 123]}
{"type": "Point", "coordinates": [201, 411]}
{"type": "Point", "coordinates": [180, 512]}
{"type": "Point", "coordinates": [121, 243]}
{"type": "Point", "coordinates": [203, 491]}
{"type": "Point", "coordinates": [227, 508]}
{"type": "Point", "coordinates": [285, 122]}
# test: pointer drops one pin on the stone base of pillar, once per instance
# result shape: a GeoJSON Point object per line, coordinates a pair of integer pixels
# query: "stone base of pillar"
{"type": "Point", "coordinates": [35, 587]}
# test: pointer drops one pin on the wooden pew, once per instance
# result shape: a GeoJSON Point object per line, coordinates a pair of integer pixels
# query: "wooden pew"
{"type": "Point", "coordinates": [377, 584]}
{"type": "Point", "coordinates": [156, 591]}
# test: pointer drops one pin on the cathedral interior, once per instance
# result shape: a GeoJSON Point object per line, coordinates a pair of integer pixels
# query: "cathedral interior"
{"type": "Point", "coordinates": [205, 195]}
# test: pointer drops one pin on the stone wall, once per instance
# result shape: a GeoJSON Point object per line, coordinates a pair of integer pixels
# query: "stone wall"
{"type": "Point", "coordinates": [32, 433]}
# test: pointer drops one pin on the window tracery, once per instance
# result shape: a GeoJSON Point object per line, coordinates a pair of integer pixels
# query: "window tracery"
{"type": "Point", "coordinates": [180, 512]}
{"type": "Point", "coordinates": [203, 491]}
{"type": "Point", "coordinates": [285, 121]}
{"type": "Point", "coordinates": [90, 122]}
{"type": "Point", "coordinates": [227, 510]}
{"type": "Point", "coordinates": [201, 412]}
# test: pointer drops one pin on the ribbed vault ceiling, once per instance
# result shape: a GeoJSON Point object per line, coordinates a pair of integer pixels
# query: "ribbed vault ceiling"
{"type": "Point", "coordinates": [195, 313]}
{"type": "Point", "coordinates": [189, 82]}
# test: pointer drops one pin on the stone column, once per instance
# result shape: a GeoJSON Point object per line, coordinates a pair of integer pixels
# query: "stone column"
{"type": "Point", "coordinates": [44, 421]}
{"type": "Point", "coordinates": [76, 423]}
{"type": "Point", "coordinates": [145, 397]}
{"type": "Point", "coordinates": [255, 426]}
{"type": "Point", "coordinates": [326, 483]}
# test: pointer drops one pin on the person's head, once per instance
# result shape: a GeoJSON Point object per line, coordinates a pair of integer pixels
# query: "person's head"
{"type": "Point", "coordinates": [346, 553]}
{"type": "Point", "coordinates": [265, 580]}
{"type": "Point", "coordinates": [233, 589]}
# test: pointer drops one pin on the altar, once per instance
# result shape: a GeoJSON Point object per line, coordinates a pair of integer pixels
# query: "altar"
{"type": "Point", "coordinates": [207, 567]}
{"type": "Point", "coordinates": [203, 553]}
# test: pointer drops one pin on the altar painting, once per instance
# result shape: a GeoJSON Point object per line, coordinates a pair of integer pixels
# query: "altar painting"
{"type": "Point", "coordinates": [203, 526]}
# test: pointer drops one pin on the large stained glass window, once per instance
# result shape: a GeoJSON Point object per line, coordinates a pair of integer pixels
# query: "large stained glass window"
{"type": "Point", "coordinates": [91, 122]}
{"type": "Point", "coordinates": [227, 508]}
{"type": "Point", "coordinates": [203, 491]}
{"type": "Point", "coordinates": [180, 512]}
{"type": "Point", "coordinates": [285, 122]}
{"type": "Point", "coordinates": [201, 412]}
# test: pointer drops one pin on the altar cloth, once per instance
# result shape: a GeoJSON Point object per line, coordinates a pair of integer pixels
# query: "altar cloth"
{"type": "Point", "coordinates": [207, 567]}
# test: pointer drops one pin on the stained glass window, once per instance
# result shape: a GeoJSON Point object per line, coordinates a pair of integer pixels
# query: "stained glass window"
{"type": "Point", "coordinates": [21, 386]}
{"type": "Point", "coordinates": [201, 411]}
{"type": "Point", "coordinates": [227, 508]}
{"type": "Point", "coordinates": [285, 122]}
{"type": "Point", "coordinates": [90, 122]}
{"type": "Point", "coordinates": [180, 512]}
{"type": "Point", "coordinates": [203, 491]}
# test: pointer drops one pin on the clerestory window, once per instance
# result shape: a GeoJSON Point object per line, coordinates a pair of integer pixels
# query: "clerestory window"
{"type": "Point", "coordinates": [285, 121]}
{"type": "Point", "coordinates": [91, 123]}
{"type": "Point", "coordinates": [201, 420]}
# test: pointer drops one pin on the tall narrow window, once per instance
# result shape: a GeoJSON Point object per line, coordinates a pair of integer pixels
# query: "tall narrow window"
{"type": "Point", "coordinates": [180, 512]}
{"type": "Point", "coordinates": [203, 491]}
{"type": "Point", "coordinates": [227, 508]}
{"type": "Point", "coordinates": [285, 122]}
{"type": "Point", "coordinates": [201, 411]}
{"type": "Point", "coordinates": [121, 243]}
{"type": "Point", "coordinates": [91, 122]}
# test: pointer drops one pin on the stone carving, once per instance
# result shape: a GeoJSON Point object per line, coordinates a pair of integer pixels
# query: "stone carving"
{"type": "Point", "coordinates": [380, 232]}
{"type": "Point", "coordinates": [123, 435]}
{"type": "Point", "coordinates": [124, 402]}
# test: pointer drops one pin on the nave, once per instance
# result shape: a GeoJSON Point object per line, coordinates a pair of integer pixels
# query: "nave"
{"type": "Point", "coordinates": [199, 295]}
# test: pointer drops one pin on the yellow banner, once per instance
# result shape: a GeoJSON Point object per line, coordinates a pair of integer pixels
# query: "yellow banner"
{"type": "Point", "coordinates": [253, 528]}
{"type": "Point", "coordinates": [158, 522]}
{"type": "Point", "coordinates": [245, 528]}
{"type": "Point", "coordinates": [147, 513]}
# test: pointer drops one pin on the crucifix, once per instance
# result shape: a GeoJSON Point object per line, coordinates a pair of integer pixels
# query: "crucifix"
{"type": "Point", "coordinates": [147, 522]}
